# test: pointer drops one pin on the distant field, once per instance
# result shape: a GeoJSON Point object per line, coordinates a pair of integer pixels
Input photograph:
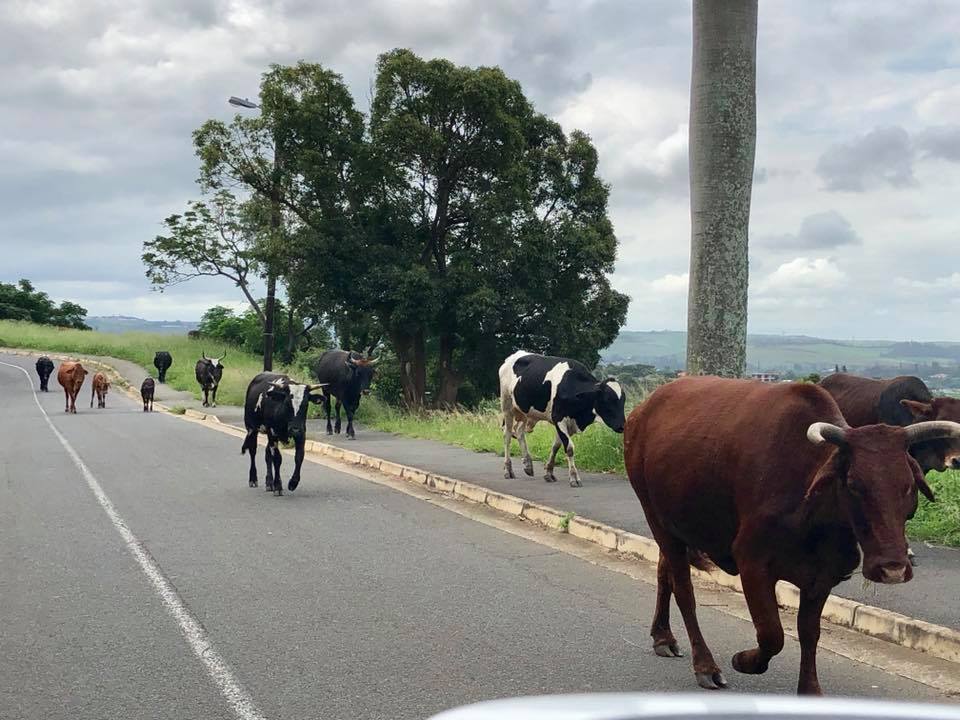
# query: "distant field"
{"type": "Point", "coordinates": [770, 352]}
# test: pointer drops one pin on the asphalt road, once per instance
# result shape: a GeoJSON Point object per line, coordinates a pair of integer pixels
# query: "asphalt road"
{"type": "Point", "coordinates": [343, 600]}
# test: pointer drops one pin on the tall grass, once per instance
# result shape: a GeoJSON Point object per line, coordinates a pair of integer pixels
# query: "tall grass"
{"type": "Point", "coordinates": [238, 366]}
{"type": "Point", "coordinates": [939, 521]}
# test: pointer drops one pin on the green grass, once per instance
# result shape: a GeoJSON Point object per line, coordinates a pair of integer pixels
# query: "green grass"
{"type": "Point", "coordinates": [238, 366]}
{"type": "Point", "coordinates": [939, 522]}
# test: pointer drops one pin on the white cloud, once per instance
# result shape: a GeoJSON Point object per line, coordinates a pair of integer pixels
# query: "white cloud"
{"type": "Point", "coordinates": [802, 276]}
{"type": "Point", "coordinates": [673, 285]}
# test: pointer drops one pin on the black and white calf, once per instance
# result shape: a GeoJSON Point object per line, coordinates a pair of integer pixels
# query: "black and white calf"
{"type": "Point", "coordinates": [44, 368]}
{"type": "Point", "coordinates": [209, 371]}
{"type": "Point", "coordinates": [562, 392]}
{"type": "Point", "coordinates": [277, 406]}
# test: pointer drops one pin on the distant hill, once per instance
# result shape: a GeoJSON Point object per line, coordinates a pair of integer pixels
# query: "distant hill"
{"type": "Point", "coordinates": [124, 323]}
{"type": "Point", "coordinates": [796, 353]}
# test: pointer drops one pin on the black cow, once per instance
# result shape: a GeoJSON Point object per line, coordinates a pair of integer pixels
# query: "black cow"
{"type": "Point", "coordinates": [162, 362]}
{"type": "Point", "coordinates": [562, 392]}
{"type": "Point", "coordinates": [44, 370]}
{"type": "Point", "coordinates": [209, 371]}
{"type": "Point", "coordinates": [276, 406]}
{"type": "Point", "coordinates": [347, 376]}
{"type": "Point", "coordinates": [147, 388]}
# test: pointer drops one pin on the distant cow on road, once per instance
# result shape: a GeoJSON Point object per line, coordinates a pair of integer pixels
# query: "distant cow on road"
{"type": "Point", "coordinates": [209, 371]}
{"type": "Point", "coordinates": [70, 376]}
{"type": "Point", "coordinates": [276, 406]}
{"type": "Point", "coordinates": [162, 362]}
{"type": "Point", "coordinates": [562, 392]}
{"type": "Point", "coordinates": [346, 376]}
{"type": "Point", "coordinates": [146, 393]}
{"type": "Point", "coordinates": [44, 370]}
{"type": "Point", "coordinates": [99, 388]}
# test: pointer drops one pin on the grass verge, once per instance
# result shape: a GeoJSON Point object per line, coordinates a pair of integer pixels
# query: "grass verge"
{"type": "Point", "coordinates": [939, 522]}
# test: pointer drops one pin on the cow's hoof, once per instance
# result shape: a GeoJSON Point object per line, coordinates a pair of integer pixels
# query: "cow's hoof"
{"type": "Point", "coordinates": [278, 492]}
{"type": "Point", "coordinates": [253, 483]}
{"type": "Point", "coordinates": [528, 469]}
{"type": "Point", "coordinates": [668, 650]}
{"type": "Point", "coordinates": [575, 482]}
{"type": "Point", "coordinates": [748, 662]}
{"type": "Point", "coordinates": [329, 431]}
{"type": "Point", "coordinates": [292, 485]}
{"type": "Point", "coordinates": [268, 487]}
{"type": "Point", "coordinates": [550, 477]}
{"type": "Point", "coordinates": [508, 474]}
{"type": "Point", "coordinates": [711, 681]}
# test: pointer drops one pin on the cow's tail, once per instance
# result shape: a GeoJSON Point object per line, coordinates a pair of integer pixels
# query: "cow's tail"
{"type": "Point", "coordinates": [699, 560]}
{"type": "Point", "coordinates": [247, 445]}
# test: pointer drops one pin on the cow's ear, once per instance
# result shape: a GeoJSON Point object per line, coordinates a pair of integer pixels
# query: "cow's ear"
{"type": "Point", "coordinates": [920, 410]}
{"type": "Point", "coordinates": [920, 481]}
{"type": "Point", "coordinates": [277, 392]}
{"type": "Point", "coordinates": [833, 471]}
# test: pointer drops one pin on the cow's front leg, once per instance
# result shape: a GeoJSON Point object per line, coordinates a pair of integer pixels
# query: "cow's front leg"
{"type": "Point", "coordinates": [507, 437]}
{"type": "Point", "coordinates": [214, 398]}
{"type": "Point", "coordinates": [759, 590]}
{"type": "Point", "coordinates": [336, 427]}
{"type": "Point", "coordinates": [268, 456]}
{"type": "Point", "coordinates": [206, 397]}
{"type": "Point", "coordinates": [66, 400]}
{"type": "Point", "coordinates": [297, 462]}
{"type": "Point", "coordinates": [277, 460]}
{"type": "Point", "coordinates": [568, 448]}
{"type": "Point", "coordinates": [327, 411]}
{"type": "Point", "coordinates": [350, 432]}
{"type": "Point", "coordinates": [551, 463]}
{"type": "Point", "coordinates": [808, 629]}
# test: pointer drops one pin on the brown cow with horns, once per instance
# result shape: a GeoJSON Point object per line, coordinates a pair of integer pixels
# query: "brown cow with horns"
{"type": "Point", "coordinates": [769, 482]}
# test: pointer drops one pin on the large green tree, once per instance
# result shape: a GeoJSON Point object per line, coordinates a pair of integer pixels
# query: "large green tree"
{"type": "Point", "coordinates": [723, 134]}
{"type": "Point", "coordinates": [23, 302]}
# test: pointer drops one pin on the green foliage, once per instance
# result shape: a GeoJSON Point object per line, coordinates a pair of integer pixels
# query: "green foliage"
{"type": "Point", "coordinates": [23, 302]}
{"type": "Point", "coordinates": [939, 522]}
{"type": "Point", "coordinates": [565, 520]}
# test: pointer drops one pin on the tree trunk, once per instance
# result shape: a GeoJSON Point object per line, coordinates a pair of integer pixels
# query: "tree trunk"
{"type": "Point", "coordinates": [723, 132]}
{"type": "Point", "coordinates": [450, 379]}
{"type": "Point", "coordinates": [292, 335]}
{"type": "Point", "coordinates": [412, 355]}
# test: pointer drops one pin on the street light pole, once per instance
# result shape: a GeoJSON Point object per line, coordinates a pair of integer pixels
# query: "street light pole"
{"type": "Point", "coordinates": [276, 220]}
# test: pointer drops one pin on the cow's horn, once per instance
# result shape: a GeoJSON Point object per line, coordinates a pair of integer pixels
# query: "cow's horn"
{"type": "Point", "coordinates": [204, 355]}
{"type": "Point", "coordinates": [316, 386]}
{"type": "Point", "coordinates": [373, 361]}
{"type": "Point", "coordinates": [821, 432]}
{"type": "Point", "coordinates": [222, 356]}
{"type": "Point", "coordinates": [932, 430]}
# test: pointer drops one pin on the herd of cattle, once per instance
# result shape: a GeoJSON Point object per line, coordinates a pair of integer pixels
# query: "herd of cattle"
{"type": "Point", "coordinates": [795, 482]}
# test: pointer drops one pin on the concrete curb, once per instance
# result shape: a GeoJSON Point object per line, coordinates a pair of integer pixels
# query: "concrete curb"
{"type": "Point", "coordinates": [893, 627]}
{"type": "Point", "coordinates": [936, 640]}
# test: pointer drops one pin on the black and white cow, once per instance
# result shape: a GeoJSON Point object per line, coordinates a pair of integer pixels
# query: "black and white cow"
{"type": "Point", "coordinates": [44, 370]}
{"type": "Point", "coordinates": [347, 376]}
{"type": "Point", "coordinates": [209, 371]}
{"type": "Point", "coordinates": [162, 361]}
{"type": "Point", "coordinates": [277, 406]}
{"type": "Point", "coordinates": [562, 392]}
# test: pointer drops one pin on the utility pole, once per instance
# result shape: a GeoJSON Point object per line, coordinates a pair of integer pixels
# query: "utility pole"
{"type": "Point", "coordinates": [276, 222]}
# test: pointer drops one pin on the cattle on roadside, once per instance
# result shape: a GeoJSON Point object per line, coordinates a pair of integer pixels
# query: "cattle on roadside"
{"type": "Point", "coordinates": [147, 388]}
{"type": "Point", "coordinates": [209, 371]}
{"type": "Point", "coordinates": [162, 361]}
{"type": "Point", "coordinates": [70, 375]}
{"type": "Point", "coordinates": [276, 406]}
{"type": "Point", "coordinates": [44, 370]}
{"type": "Point", "coordinates": [99, 388]}
{"type": "Point", "coordinates": [769, 482]}
{"type": "Point", "coordinates": [562, 392]}
{"type": "Point", "coordinates": [346, 376]}
{"type": "Point", "coordinates": [902, 401]}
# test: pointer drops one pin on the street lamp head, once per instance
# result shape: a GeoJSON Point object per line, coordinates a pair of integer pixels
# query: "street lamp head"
{"type": "Point", "coordinates": [242, 102]}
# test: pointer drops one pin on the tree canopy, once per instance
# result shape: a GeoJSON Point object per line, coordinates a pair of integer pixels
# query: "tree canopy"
{"type": "Point", "coordinates": [23, 302]}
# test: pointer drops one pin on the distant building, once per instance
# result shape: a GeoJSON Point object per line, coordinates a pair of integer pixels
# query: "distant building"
{"type": "Point", "coordinates": [765, 377]}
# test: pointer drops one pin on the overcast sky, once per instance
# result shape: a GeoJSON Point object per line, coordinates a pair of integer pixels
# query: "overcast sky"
{"type": "Point", "coordinates": [855, 205]}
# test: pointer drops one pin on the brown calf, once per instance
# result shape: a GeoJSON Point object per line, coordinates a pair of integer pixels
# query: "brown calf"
{"type": "Point", "coordinates": [70, 375]}
{"type": "Point", "coordinates": [99, 388]}
{"type": "Point", "coordinates": [146, 392]}
{"type": "Point", "coordinates": [769, 482]}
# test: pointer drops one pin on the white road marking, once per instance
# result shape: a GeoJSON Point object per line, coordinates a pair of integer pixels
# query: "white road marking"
{"type": "Point", "coordinates": [193, 632]}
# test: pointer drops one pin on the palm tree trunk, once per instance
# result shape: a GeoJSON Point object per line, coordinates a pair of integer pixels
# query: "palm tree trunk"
{"type": "Point", "coordinates": [723, 134]}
